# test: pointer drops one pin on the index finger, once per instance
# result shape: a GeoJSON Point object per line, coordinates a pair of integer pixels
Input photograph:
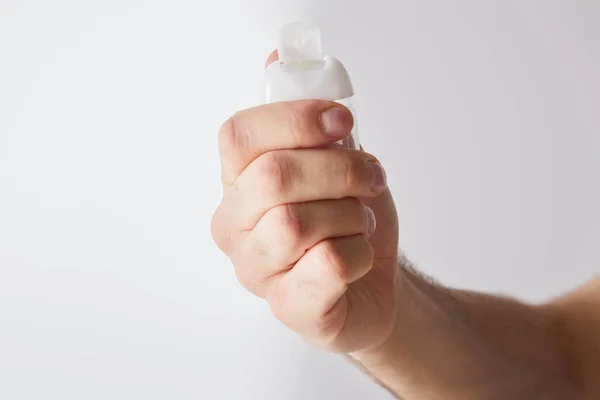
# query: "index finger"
{"type": "Point", "coordinates": [279, 126]}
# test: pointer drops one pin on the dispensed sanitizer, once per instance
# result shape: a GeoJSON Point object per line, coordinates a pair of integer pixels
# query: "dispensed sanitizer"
{"type": "Point", "coordinates": [303, 72]}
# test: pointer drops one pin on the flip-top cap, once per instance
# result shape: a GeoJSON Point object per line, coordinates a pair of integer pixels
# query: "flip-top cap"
{"type": "Point", "coordinates": [303, 72]}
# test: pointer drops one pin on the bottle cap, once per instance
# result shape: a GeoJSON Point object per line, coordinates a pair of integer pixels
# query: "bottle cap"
{"type": "Point", "coordinates": [303, 72]}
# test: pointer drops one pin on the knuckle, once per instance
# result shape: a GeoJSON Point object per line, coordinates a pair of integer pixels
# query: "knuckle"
{"type": "Point", "coordinates": [329, 324]}
{"type": "Point", "coordinates": [296, 119]}
{"type": "Point", "coordinates": [247, 274]}
{"type": "Point", "coordinates": [218, 230]}
{"type": "Point", "coordinates": [302, 116]}
{"type": "Point", "coordinates": [278, 309]}
{"type": "Point", "coordinates": [275, 174]}
{"type": "Point", "coordinates": [289, 225]}
{"type": "Point", "coordinates": [215, 231]}
{"type": "Point", "coordinates": [279, 304]}
{"type": "Point", "coordinates": [332, 261]}
{"type": "Point", "coordinates": [258, 248]}
{"type": "Point", "coordinates": [279, 234]}
{"type": "Point", "coordinates": [229, 139]}
{"type": "Point", "coordinates": [247, 280]}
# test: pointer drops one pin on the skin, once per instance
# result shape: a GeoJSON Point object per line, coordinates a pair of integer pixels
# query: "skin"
{"type": "Point", "coordinates": [312, 228]}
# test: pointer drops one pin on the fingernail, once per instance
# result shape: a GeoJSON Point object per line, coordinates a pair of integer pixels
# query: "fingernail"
{"type": "Point", "coordinates": [336, 121]}
{"type": "Point", "coordinates": [371, 221]}
{"type": "Point", "coordinates": [379, 179]}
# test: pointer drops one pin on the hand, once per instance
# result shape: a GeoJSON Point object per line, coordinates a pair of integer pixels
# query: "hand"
{"type": "Point", "coordinates": [297, 220]}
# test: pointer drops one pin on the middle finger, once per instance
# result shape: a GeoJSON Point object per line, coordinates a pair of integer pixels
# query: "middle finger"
{"type": "Point", "coordinates": [302, 175]}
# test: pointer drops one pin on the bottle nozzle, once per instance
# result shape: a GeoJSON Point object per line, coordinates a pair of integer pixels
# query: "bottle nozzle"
{"type": "Point", "coordinates": [299, 42]}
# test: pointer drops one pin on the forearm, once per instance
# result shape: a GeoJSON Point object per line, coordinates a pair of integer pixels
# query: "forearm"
{"type": "Point", "coordinates": [463, 345]}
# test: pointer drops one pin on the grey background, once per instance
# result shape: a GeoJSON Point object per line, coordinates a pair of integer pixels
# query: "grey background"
{"type": "Point", "coordinates": [484, 113]}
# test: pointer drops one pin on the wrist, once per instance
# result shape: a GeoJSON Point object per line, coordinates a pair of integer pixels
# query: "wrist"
{"type": "Point", "coordinates": [406, 297]}
{"type": "Point", "coordinates": [413, 350]}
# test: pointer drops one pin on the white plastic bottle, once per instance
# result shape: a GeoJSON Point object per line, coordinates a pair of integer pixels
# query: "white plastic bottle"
{"type": "Point", "coordinates": [303, 72]}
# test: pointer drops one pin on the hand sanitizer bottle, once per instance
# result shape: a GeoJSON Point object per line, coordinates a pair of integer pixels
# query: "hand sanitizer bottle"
{"type": "Point", "coordinates": [303, 72]}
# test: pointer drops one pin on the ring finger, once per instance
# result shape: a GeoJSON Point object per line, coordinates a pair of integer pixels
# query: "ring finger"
{"type": "Point", "coordinates": [286, 232]}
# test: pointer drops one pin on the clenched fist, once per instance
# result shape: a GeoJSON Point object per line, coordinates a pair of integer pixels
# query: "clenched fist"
{"type": "Point", "coordinates": [309, 226]}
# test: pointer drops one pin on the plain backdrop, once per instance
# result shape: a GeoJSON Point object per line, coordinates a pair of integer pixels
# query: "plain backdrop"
{"type": "Point", "coordinates": [485, 115]}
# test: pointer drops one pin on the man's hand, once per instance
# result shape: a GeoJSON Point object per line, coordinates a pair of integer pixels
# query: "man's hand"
{"type": "Point", "coordinates": [298, 220]}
